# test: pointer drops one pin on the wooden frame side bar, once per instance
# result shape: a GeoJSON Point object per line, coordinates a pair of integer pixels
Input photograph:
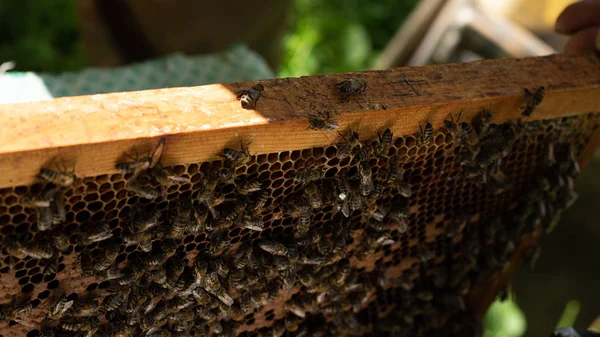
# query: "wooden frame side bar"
{"type": "Point", "coordinates": [95, 131]}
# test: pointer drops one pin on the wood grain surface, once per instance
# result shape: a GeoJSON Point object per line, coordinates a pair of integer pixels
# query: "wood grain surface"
{"type": "Point", "coordinates": [95, 131]}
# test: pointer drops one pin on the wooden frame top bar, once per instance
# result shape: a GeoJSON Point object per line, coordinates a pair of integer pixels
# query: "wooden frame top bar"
{"type": "Point", "coordinates": [95, 131]}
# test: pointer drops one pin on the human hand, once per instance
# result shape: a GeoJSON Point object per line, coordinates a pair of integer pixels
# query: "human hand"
{"type": "Point", "coordinates": [581, 21]}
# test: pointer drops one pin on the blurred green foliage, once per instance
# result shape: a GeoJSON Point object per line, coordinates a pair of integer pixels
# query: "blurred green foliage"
{"type": "Point", "coordinates": [40, 35]}
{"type": "Point", "coordinates": [335, 36]}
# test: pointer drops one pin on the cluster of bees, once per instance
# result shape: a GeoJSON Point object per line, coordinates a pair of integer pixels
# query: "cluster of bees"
{"type": "Point", "coordinates": [162, 290]}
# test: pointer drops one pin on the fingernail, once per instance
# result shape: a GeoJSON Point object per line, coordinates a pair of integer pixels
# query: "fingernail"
{"type": "Point", "coordinates": [598, 40]}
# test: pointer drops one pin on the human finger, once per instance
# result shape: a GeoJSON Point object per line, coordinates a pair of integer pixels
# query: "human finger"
{"type": "Point", "coordinates": [578, 16]}
{"type": "Point", "coordinates": [583, 41]}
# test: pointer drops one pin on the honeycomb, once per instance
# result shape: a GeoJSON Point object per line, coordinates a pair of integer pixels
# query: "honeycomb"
{"type": "Point", "coordinates": [443, 233]}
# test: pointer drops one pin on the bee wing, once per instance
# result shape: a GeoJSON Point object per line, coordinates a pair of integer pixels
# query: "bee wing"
{"type": "Point", "coordinates": [156, 154]}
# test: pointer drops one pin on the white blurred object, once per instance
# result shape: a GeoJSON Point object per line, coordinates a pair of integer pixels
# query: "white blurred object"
{"type": "Point", "coordinates": [7, 66]}
{"type": "Point", "coordinates": [440, 31]}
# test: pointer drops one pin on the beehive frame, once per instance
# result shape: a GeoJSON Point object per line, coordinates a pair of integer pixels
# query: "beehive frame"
{"type": "Point", "coordinates": [197, 123]}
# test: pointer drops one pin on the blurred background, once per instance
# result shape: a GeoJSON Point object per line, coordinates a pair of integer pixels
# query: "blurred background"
{"type": "Point", "coordinates": [333, 36]}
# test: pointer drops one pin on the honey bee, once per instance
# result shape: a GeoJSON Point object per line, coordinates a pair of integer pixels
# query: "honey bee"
{"type": "Point", "coordinates": [61, 177]}
{"type": "Point", "coordinates": [274, 248]}
{"type": "Point", "coordinates": [146, 192]}
{"type": "Point", "coordinates": [86, 308]}
{"type": "Point", "coordinates": [158, 276]}
{"type": "Point", "coordinates": [249, 187]}
{"type": "Point", "coordinates": [110, 255]}
{"type": "Point", "coordinates": [385, 141]}
{"type": "Point", "coordinates": [355, 200]}
{"type": "Point", "coordinates": [425, 133]}
{"type": "Point", "coordinates": [57, 207]}
{"type": "Point", "coordinates": [365, 153]}
{"type": "Point", "coordinates": [61, 241]}
{"type": "Point", "coordinates": [213, 201]}
{"type": "Point", "coordinates": [38, 250]}
{"type": "Point", "coordinates": [351, 86]}
{"type": "Point", "coordinates": [138, 164]}
{"type": "Point", "coordinates": [238, 158]}
{"type": "Point", "coordinates": [249, 96]}
{"type": "Point", "coordinates": [45, 218]}
{"type": "Point", "coordinates": [322, 122]}
{"type": "Point", "coordinates": [98, 233]}
{"type": "Point", "coordinates": [452, 126]}
{"type": "Point", "coordinates": [304, 219]}
{"type": "Point", "coordinates": [51, 267]}
{"type": "Point", "coordinates": [468, 136]}
{"type": "Point", "coordinates": [144, 219]}
{"type": "Point", "coordinates": [314, 195]}
{"type": "Point", "coordinates": [86, 264]}
{"type": "Point", "coordinates": [308, 175]}
{"type": "Point", "coordinates": [164, 177]}
{"type": "Point", "coordinates": [59, 307]}
{"type": "Point", "coordinates": [483, 122]}
{"type": "Point", "coordinates": [260, 202]}
{"type": "Point", "coordinates": [532, 100]}
{"type": "Point", "coordinates": [226, 175]}
{"type": "Point", "coordinates": [366, 178]}
{"type": "Point", "coordinates": [181, 220]}
{"type": "Point", "coordinates": [113, 301]}
{"type": "Point", "coordinates": [350, 142]}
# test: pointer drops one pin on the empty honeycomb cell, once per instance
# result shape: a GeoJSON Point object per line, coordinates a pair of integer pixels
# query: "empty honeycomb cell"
{"type": "Point", "coordinates": [5, 219]}
{"type": "Point", "coordinates": [263, 167]}
{"type": "Point", "coordinates": [23, 227]}
{"type": "Point", "coordinates": [261, 159]}
{"type": "Point", "coordinates": [287, 166]}
{"type": "Point", "coordinates": [251, 169]}
{"type": "Point", "coordinates": [23, 280]}
{"type": "Point", "coordinates": [92, 287]}
{"type": "Point", "coordinates": [10, 200]}
{"type": "Point", "coordinates": [276, 168]}
{"type": "Point", "coordinates": [37, 278]}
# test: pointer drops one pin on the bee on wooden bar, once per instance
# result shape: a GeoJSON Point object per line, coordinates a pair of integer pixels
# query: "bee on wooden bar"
{"type": "Point", "coordinates": [452, 126]}
{"type": "Point", "coordinates": [61, 177]}
{"type": "Point", "coordinates": [385, 141]}
{"type": "Point", "coordinates": [351, 86]}
{"type": "Point", "coordinates": [468, 136]}
{"type": "Point", "coordinates": [138, 164]}
{"type": "Point", "coordinates": [238, 158]}
{"type": "Point", "coordinates": [483, 122]}
{"type": "Point", "coordinates": [532, 100]}
{"type": "Point", "coordinates": [425, 133]}
{"type": "Point", "coordinates": [249, 96]}
{"type": "Point", "coordinates": [322, 122]}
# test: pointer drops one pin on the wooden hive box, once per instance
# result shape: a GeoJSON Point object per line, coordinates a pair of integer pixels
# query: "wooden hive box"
{"type": "Point", "coordinates": [436, 228]}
